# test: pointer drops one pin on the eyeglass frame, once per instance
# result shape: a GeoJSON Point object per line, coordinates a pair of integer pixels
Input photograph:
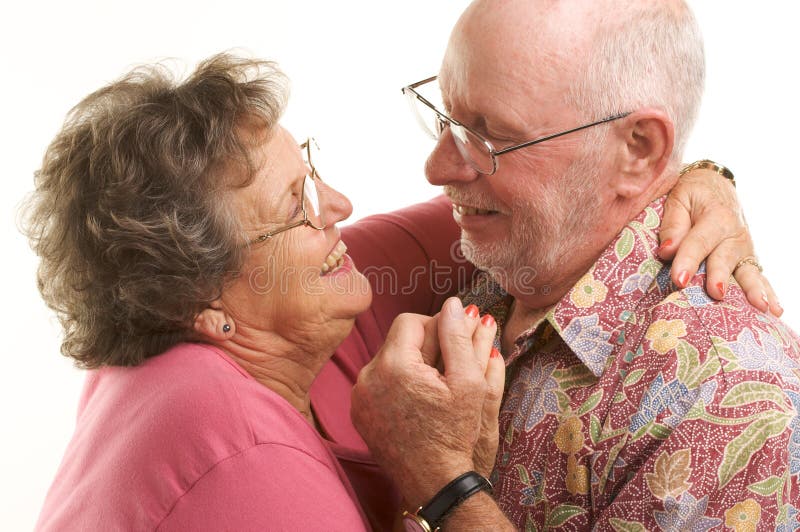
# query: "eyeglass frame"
{"type": "Point", "coordinates": [305, 221]}
{"type": "Point", "coordinates": [443, 118]}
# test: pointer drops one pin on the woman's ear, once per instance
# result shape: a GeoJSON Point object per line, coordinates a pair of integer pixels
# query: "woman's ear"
{"type": "Point", "coordinates": [213, 323]}
{"type": "Point", "coordinates": [648, 140]}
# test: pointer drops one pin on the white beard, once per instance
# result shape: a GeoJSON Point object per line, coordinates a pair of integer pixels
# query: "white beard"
{"type": "Point", "coordinates": [545, 230]}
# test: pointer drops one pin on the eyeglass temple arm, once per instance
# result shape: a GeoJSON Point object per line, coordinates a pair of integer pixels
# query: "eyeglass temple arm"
{"type": "Point", "coordinates": [556, 135]}
{"type": "Point", "coordinates": [418, 83]}
{"type": "Point", "coordinates": [267, 236]}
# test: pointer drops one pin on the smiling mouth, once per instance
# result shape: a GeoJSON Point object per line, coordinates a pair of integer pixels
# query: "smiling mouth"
{"type": "Point", "coordinates": [335, 259]}
{"type": "Point", "coordinates": [465, 210]}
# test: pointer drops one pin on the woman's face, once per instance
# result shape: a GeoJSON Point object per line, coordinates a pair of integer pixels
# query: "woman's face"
{"type": "Point", "coordinates": [286, 285]}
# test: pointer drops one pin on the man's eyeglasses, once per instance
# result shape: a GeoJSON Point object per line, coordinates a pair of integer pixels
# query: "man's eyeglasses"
{"type": "Point", "coordinates": [474, 148]}
{"type": "Point", "coordinates": [310, 204]}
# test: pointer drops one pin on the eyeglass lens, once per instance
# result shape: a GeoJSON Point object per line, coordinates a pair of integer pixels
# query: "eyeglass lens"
{"type": "Point", "coordinates": [427, 119]}
{"type": "Point", "coordinates": [312, 204]}
{"type": "Point", "coordinates": [310, 189]}
{"type": "Point", "coordinates": [472, 148]}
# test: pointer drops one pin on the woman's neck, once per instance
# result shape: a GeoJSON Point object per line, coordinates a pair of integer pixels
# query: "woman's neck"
{"type": "Point", "coordinates": [286, 363]}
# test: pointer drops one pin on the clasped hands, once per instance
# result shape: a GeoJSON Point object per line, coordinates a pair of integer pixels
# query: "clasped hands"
{"type": "Point", "coordinates": [425, 425]}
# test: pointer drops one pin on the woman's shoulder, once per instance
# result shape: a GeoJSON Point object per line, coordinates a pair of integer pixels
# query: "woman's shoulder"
{"type": "Point", "coordinates": [154, 430]}
{"type": "Point", "coordinates": [197, 389]}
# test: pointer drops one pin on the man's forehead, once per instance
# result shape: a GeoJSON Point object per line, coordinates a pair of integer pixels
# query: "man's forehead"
{"type": "Point", "coordinates": [516, 40]}
{"type": "Point", "coordinates": [502, 78]}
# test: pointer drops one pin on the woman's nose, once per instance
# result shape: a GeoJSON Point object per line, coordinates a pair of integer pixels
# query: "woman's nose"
{"type": "Point", "coordinates": [334, 205]}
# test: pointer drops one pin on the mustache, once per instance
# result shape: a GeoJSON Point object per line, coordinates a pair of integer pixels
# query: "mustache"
{"type": "Point", "coordinates": [471, 199]}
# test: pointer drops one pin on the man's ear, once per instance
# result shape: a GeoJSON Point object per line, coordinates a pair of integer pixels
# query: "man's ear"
{"type": "Point", "coordinates": [648, 139]}
{"type": "Point", "coordinates": [213, 323]}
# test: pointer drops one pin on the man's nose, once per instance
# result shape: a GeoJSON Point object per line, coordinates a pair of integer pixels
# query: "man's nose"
{"type": "Point", "coordinates": [446, 165]}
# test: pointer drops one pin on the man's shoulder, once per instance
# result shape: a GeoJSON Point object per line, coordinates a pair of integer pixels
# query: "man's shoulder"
{"type": "Point", "coordinates": [688, 324]}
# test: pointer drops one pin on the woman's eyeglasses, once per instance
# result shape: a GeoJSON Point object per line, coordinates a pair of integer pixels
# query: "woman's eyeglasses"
{"type": "Point", "coordinates": [310, 205]}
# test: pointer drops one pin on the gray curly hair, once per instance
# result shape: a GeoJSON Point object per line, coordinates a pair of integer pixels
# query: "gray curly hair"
{"type": "Point", "coordinates": [129, 215]}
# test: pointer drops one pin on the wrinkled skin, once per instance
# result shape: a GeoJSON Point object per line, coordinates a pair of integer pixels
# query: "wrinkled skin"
{"type": "Point", "coordinates": [449, 418]}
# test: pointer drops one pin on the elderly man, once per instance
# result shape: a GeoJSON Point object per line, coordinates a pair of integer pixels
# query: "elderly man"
{"type": "Point", "coordinates": [630, 403]}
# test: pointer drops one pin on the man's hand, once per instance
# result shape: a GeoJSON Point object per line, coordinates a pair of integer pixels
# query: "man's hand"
{"type": "Point", "coordinates": [422, 426]}
{"type": "Point", "coordinates": [702, 218]}
{"type": "Point", "coordinates": [485, 450]}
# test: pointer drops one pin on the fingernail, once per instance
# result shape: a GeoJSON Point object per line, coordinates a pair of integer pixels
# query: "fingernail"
{"type": "Point", "coordinates": [495, 353]}
{"type": "Point", "coordinates": [454, 308]}
{"type": "Point", "coordinates": [472, 311]}
{"type": "Point", "coordinates": [665, 244]}
{"type": "Point", "coordinates": [779, 307]}
{"type": "Point", "coordinates": [721, 288]}
{"type": "Point", "coordinates": [683, 279]}
{"type": "Point", "coordinates": [487, 320]}
{"type": "Point", "coordinates": [765, 298]}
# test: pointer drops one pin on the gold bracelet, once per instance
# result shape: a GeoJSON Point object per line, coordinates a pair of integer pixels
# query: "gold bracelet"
{"type": "Point", "coordinates": [708, 164]}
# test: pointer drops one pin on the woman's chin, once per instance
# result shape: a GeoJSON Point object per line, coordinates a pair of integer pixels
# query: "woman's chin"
{"type": "Point", "coordinates": [349, 288]}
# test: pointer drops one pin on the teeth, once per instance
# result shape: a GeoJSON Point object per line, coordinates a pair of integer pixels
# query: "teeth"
{"type": "Point", "coordinates": [334, 260]}
{"type": "Point", "coordinates": [463, 210]}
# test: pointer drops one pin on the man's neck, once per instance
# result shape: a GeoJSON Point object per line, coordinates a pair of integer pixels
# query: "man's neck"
{"type": "Point", "coordinates": [520, 319]}
{"type": "Point", "coordinates": [615, 213]}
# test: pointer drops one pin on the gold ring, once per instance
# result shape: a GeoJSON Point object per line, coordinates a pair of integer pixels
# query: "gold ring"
{"type": "Point", "coordinates": [752, 261]}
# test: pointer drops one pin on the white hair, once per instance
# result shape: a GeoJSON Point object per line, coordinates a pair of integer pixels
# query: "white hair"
{"type": "Point", "coordinates": [648, 56]}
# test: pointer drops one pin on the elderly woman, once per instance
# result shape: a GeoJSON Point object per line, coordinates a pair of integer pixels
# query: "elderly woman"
{"type": "Point", "coordinates": [190, 250]}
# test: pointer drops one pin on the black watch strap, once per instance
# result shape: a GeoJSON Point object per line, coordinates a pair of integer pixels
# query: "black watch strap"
{"type": "Point", "coordinates": [450, 496]}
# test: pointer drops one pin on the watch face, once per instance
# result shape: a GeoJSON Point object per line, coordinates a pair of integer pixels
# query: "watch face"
{"type": "Point", "coordinates": [409, 525]}
{"type": "Point", "coordinates": [414, 523]}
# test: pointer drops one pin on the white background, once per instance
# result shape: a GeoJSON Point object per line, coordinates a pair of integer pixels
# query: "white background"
{"type": "Point", "coordinates": [347, 60]}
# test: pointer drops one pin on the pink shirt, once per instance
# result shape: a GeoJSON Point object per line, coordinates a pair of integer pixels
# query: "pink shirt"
{"type": "Point", "coordinates": [189, 441]}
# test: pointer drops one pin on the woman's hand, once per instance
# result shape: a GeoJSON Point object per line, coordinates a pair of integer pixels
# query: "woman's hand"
{"type": "Point", "coordinates": [703, 221]}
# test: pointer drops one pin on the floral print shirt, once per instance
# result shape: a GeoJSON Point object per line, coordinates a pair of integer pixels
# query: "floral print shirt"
{"type": "Point", "coordinates": [635, 406]}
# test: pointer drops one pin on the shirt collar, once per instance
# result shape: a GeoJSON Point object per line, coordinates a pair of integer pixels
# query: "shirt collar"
{"type": "Point", "coordinates": [590, 318]}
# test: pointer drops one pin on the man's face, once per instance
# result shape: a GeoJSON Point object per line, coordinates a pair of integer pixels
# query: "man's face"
{"type": "Point", "coordinates": [542, 197]}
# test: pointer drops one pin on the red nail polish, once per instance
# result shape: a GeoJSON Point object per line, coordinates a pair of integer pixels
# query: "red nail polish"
{"type": "Point", "coordinates": [487, 320]}
{"type": "Point", "coordinates": [495, 353]}
{"type": "Point", "coordinates": [683, 279]}
{"type": "Point", "coordinates": [665, 244]}
{"type": "Point", "coordinates": [472, 311]}
{"type": "Point", "coordinates": [721, 288]}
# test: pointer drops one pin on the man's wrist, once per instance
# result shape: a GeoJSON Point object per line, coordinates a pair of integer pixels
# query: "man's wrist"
{"type": "Point", "coordinates": [425, 481]}
{"type": "Point", "coordinates": [479, 513]}
{"type": "Point", "coordinates": [432, 514]}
